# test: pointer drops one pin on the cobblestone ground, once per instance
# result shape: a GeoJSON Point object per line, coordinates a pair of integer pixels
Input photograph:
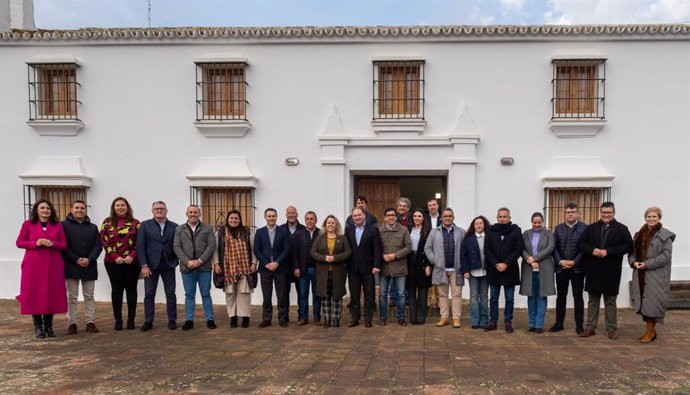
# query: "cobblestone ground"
{"type": "Point", "coordinates": [309, 359]}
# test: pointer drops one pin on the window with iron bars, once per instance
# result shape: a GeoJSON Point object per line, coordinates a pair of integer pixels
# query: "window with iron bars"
{"type": "Point", "coordinates": [216, 202]}
{"type": "Point", "coordinates": [221, 91]}
{"type": "Point", "coordinates": [53, 91]}
{"type": "Point", "coordinates": [398, 90]}
{"type": "Point", "coordinates": [578, 89]}
{"type": "Point", "coordinates": [588, 201]}
{"type": "Point", "coordinates": [59, 195]}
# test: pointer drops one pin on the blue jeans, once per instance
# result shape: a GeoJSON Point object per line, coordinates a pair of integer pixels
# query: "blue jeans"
{"type": "Point", "coordinates": [383, 296]}
{"type": "Point", "coordinates": [495, 292]}
{"type": "Point", "coordinates": [189, 281]}
{"type": "Point", "coordinates": [536, 305]}
{"type": "Point", "coordinates": [479, 301]}
{"type": "Point", "coordinates": [307, 278]}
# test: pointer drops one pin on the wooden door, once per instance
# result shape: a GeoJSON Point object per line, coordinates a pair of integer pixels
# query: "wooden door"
{"type": "Point", "coordinates": [380, 192]}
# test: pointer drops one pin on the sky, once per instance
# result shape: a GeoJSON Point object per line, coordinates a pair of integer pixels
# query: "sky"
{"type": "Point", "coordinates": [74, 14]}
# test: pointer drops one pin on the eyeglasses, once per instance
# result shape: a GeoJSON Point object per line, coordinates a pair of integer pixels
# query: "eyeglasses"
{"type": "Point", "coordinates": [160, 208]}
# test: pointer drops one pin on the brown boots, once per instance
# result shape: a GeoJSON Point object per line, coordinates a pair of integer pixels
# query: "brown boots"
{"type": "Point", "coordinates": [650, 334]}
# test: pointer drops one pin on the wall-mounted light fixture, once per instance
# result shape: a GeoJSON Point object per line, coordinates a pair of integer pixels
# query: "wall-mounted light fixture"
{"type": "Point", "coordinates": [507, 161]}
{"type": "Point", "coordinates": [291, 161]}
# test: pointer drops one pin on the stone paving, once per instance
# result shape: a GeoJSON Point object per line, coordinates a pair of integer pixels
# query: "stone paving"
{"type": "Point", "coordinates": [309, 359]}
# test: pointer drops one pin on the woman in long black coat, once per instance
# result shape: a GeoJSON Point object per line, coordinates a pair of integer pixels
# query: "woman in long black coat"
{"type": "Point", "coordinates": [418, 270]}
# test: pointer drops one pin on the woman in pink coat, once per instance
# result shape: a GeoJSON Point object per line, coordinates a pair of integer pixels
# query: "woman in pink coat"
{"type": "Point", "coordinates": [42, 291]}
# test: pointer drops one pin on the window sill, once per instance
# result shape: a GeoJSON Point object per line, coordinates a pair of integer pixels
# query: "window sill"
{"type": "Point", "coordinates": [57, 128]}
{"type": "Point", "coordinates": [398, 126]}
{"type": "Point", "coordinates": [572, 128]}
{"type": "Point", "coordinates": [230, 128]}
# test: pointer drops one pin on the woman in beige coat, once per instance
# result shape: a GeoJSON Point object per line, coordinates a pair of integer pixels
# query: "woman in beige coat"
{"type": "Point", "coordinates": [651, 264]}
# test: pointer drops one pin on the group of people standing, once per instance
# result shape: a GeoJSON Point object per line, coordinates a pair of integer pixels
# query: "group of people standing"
{"type": "Point", "coordinates": [407, 253]}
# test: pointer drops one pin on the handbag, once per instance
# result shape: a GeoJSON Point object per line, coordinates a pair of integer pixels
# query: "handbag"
{"type": "Point", "coordinates": [253, 279]}
{"type": "Point", "coordinates": [219, 280]}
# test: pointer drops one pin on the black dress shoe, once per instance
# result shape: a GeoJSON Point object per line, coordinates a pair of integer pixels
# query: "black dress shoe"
{"type": "Point", "coordinates": [402, 322]}
{"type": "Point", "coordinates": [130, 324]}
{"type": "Point", "coordinates": [538, 330]}
{"type": "Point", "coordinates": [530, 329]}
{"type": "Point", "coordinates": [172, 325]}
{"type": "Point", "coordinates": [382, 322]}
{"type": "Point", "coordinates": [283, 324]}
{"type": "Point", "coordinates": [556, 328]}
{"type": "Point", "coordinates": [49, 332]}
{"type": "Point", "coordinates": [38, 331]}
{"type": "Point", "coordinates": [475, 326]}
{"type": "Point", "coordinates": [233, 322]}
{"type": "Point", "coordinates": [148, 325]}
{"type": "Point", "coordinates": [210, 324]}
{"type": "Point", "coordinates": [265, 323]}
{"type": "Point", "coordinates": [118, 325]}
{"type": "Point", "coordinates": [188, 325]}
{"type": "Point", "coordinates": [368, 324]}
{"type": "Point", "coordinates": [245, 322]}
{"type": "Point", "coordinates": [352, 324]}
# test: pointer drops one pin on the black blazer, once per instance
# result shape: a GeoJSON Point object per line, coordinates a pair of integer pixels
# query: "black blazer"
{"type": "Point", "coordinates": [427, 219]}
{"type": "Point", "coordinates": [301, 248]}
{"type": "Point", "coordinates": [603, 275]}
{"type": "Point", "coordinates": [368, 254]}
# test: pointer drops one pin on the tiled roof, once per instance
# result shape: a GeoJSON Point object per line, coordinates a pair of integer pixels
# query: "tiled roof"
{"type": "Point", "coordinates": [339, 33]}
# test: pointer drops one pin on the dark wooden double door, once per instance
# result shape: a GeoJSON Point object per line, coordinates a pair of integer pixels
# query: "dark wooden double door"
{"type": "Point", "coordinates": [384, 191]}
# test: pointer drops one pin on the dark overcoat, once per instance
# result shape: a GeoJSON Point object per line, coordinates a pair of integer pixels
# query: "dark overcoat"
{"type": "Point", "coordinates": [341, 253]}
{"type": "Point", "coordinates": [603, 275]}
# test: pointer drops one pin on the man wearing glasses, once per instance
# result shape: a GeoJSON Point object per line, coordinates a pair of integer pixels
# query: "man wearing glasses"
{"type": "Point", "coordinates": [604, 243]}
{"type": "Point", "coordinates": [569, 268]}
{"type": "Point", "coordinates": [157, 259]}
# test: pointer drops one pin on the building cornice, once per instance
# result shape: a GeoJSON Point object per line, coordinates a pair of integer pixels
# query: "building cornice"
{"type": "Point", "coordinates": [356, 33]}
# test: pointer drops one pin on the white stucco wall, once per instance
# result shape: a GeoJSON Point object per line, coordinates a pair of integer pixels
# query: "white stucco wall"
{"type": "Point", "coordinates": [139, 139]}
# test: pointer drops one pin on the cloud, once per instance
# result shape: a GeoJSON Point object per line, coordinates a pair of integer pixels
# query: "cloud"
{"type": "Point", "coordinates": [512, 4]}
{"type": "Point", "coordinates": [478, 17]}
{"type": "Point", "coordinates": [567, 12]}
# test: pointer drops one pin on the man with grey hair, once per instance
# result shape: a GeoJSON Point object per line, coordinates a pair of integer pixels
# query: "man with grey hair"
{"type": "Point", "coordinates": [157, 259]}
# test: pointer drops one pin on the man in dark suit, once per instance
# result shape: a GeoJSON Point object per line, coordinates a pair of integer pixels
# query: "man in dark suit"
{"type": "Point", "coordinates": [365, 243]}
{"type": "Point", "coordinates": [292, 225]}
{"type": "Point", "coordinates": [302, 242]}
{"type": "Point", "coordinates": [157, 259]}
{"type": "Point", "coordinates": [604, 243]}
{"type": "Point", "coordinates": [432, 216]}
{"type": "Point", "coordinates": [272, 249]}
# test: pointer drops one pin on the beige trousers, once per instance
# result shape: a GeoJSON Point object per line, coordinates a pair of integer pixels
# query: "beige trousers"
{"type": "Point", "coordinates": [456, 295]}
{"type": "Point", "coordinates": [87, 287]}
{"type": "Point", "coordinates": [238, 298]}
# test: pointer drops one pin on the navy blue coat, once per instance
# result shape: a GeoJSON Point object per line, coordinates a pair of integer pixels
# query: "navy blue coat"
{"type": "Point", "coordinates": [560, 234]}
{"type": "Point", "coordinates": [302, 242]}
{"type": "Point", "coordinates": [470, 257]}
{"type": "Point", "coordinates": [280, 251]}
{"type": "Point", "coordinates": [83, 241]}
{"type": "Point", "coordinates": [152, 248]}
{"type": "Point", "coordinates": [294, 264]}
{"type": "Point", "coordinates": [368, 254]}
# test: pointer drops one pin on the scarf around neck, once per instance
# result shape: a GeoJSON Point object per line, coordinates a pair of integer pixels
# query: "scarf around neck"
{"type": "Point", "coordinates": [643, 240]}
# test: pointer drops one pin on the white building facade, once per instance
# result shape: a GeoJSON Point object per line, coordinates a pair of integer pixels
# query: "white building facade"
{"type": "Point", "coordinates": [527, 117]}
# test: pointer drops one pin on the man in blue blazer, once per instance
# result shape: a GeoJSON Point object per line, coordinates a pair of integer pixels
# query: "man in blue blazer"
{"type": "Point", "coordinates": [157, 259]}
{"type": "Point", "coordinates": [272, 250]}
{"type": "Point", "coordinates": [367, 253]}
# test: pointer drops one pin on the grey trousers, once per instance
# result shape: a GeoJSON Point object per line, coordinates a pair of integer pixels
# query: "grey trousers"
{"type": "Point", "coordinates": [610, 311]}
{"type": "Point", "coordinates": [87, 287]}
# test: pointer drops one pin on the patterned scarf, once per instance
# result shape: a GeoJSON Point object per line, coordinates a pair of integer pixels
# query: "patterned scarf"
{"type": "Point", "coordinates": [235, 260]}
{"type": "Point", "coordinates": [642, 241]}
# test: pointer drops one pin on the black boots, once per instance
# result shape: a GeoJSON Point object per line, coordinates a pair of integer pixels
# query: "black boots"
{"type": "Point", "coordinates": [43, 326]}
{"type": "Point", "coordinates": [38, 326]}
{"type": "Point", "coordinates": [48, 323]}
{"type": "Point", "coordinates": [245, 322]}
{"type": "Point", "coordinates": [233, 321]}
